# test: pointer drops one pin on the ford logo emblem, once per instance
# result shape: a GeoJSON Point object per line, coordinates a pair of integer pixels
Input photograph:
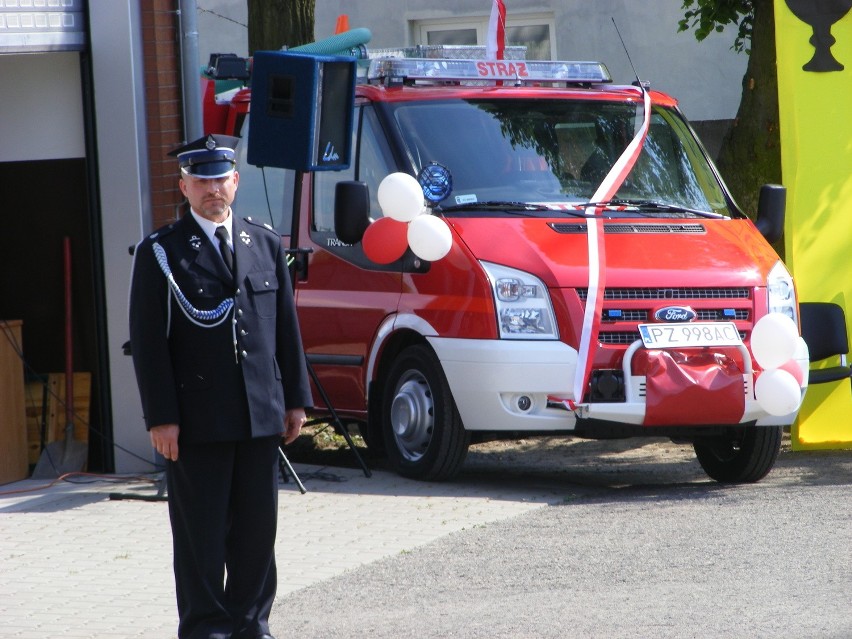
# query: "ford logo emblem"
{"type": "Point", "coordinates": [675, 314]}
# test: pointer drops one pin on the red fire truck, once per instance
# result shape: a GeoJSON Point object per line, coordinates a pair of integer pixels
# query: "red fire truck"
{"type": "Point", "coordinates": [551, 311]}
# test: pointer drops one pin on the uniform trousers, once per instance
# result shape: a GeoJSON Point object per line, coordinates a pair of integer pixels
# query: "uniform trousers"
{"type": "Point", "coordinates": [223, 507]}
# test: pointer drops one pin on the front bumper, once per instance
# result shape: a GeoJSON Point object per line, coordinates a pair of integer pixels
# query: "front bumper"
{"type": "Point", "coordinates": [505, 385]}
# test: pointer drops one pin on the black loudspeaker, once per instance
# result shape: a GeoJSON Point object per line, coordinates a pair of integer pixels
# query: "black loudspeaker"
{"type": "Point", "coordinates": [301, 111]}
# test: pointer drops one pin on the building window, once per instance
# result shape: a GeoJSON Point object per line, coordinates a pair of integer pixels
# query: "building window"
{"type": "Point", "coordinates": [535, 37]}
{"type": "Point", "coordinates": [451, 36]}
{"type": "Point", "coordinates": [533, 32]}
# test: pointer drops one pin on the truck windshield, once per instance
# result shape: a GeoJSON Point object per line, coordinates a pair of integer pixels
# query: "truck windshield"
{"type": "Point", "coordinates": [557, 152]}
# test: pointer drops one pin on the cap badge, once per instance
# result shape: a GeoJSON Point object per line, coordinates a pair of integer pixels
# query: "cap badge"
{"type": "Point", "coordinates": [211, 143]}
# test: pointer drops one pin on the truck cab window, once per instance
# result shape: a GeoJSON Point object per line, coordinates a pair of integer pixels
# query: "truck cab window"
{"type": "Point", "coordinates": [370, 163]}
{"type": "Point", "coordinates": [556, 151]}
{"type": "Point", "coordinates": [265, 193]}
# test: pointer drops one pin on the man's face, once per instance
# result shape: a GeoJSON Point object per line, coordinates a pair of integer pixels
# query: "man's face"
{"type": "Point", "coordinates": [210, 197]}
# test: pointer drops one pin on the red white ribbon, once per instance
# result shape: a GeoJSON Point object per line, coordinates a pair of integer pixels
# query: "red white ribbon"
{"type": "Point", "coordinates": [597, 251]}
{"type": "Point", "coordinates": [495, 41]}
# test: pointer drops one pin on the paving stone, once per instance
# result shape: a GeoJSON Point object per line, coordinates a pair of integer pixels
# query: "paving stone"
{"type": "Point", "coordinates": [77, 564]}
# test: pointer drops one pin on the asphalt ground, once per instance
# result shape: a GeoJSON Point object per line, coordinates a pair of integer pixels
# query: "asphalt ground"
{"type": "Point", "coordinates": [634, 542]}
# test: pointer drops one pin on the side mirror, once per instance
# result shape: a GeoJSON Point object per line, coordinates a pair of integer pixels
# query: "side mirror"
{"type": "Point", "coordinates": [770, 211]}
{"type": "Point", "coordinates": [351, 211]}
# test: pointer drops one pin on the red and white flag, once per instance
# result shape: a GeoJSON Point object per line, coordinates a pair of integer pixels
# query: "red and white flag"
{"type": "Point", "coordinates": [495, 41]}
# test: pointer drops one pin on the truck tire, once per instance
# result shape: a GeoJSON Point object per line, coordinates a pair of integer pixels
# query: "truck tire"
{"type": "Point", "coordinates": [423, 432]}
{"type": "Point", "coordinates": [740, 458]}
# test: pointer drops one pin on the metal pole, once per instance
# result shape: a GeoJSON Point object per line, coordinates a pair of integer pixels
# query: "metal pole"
{"type": "Point", "coordinates": [190, 69]}
{"type": "Point", "coordinates": [289, 470]}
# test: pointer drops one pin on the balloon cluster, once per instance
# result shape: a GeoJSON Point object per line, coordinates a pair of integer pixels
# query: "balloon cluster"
{"type": "Point", "coordinates": [407, 223]}
{"type": "Point", "coordinates": [774, 342]}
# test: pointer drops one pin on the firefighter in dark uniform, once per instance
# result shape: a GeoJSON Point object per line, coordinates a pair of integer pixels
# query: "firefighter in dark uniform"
{"type": "Point", "coordinates": [222, 376]}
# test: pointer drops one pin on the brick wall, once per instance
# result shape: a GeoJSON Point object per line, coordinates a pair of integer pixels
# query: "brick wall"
{"type": "Point", "coordinates": [164, 113]}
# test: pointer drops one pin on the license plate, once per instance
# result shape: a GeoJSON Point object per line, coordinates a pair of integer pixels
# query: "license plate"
{"type": "Point", "coordinates": [690, 334]}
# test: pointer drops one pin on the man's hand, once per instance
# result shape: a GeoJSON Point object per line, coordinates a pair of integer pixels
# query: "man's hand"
{"type": "Point", "coordinates": [164, 439]}
{"type": "Point", "coordinates": [294, 419]}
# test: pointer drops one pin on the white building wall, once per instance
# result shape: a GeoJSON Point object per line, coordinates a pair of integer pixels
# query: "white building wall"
{"type": "Point", "coordinates": [43, 107]}
{"type": "Point", "coordinates": [222, 28]}
{"type": "Point", "coordinates": [122, 165]}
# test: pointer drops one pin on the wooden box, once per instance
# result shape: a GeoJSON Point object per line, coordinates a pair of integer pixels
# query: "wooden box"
{"type": "Point", "coordinates": [46, 408]}
{"type": "Point", "coordinates": [13, 428]}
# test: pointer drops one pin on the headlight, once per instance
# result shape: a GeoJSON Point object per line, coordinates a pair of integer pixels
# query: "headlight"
{"type": "Point", "coordinates": [780, 292]}
{"type": "Point", "coordinates": [523, 304]}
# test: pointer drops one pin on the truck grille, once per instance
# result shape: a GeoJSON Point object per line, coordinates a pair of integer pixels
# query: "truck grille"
{"type": "Point", "coordinates": [664, 294]}
{"type": "Point", "coordinates": [624, 308]}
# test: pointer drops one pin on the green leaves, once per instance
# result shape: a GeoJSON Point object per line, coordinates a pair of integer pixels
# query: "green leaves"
{"type": "Point", "coordinates": [707, 16]}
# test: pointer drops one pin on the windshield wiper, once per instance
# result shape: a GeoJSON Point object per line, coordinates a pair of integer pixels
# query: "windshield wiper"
{"type": "Point", "coordinates": [515, 208]}
{"type": "Point", "coordinates": [652, 205]}
{"type": "Point", "coordinates": [491, 205]}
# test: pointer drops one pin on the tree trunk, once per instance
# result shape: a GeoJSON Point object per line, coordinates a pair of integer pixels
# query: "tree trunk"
{"type": "Point", "coordinates": [273, 24]}
{"type": "Point", "coordinates": [750, 155]}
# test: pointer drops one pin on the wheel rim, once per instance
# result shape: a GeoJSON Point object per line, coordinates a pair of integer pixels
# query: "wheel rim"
{"type": "Point", "coordinates": [725, 451]}
{"type": "Point", "coordinates": [412, 415]}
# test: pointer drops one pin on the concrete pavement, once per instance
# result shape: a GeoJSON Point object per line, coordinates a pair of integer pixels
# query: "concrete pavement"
{"type": "Point", "coordinates": [78, 565]}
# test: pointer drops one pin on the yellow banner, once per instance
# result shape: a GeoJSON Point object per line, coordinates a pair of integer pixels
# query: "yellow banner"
{"type": "Point", "coordinates": [814, 54]}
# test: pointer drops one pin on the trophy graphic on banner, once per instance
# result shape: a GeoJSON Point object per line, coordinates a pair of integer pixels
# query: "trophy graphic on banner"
{"type": "Point", "coordinates": [820, 15]}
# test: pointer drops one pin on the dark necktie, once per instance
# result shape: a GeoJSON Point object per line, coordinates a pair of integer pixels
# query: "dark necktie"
{"type": "Point", "coordinates": [224, 249]}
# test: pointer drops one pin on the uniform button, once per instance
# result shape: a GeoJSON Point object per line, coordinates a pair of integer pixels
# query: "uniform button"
{"type": "Point", "coordinates": [239, 312]}
{"type": "Point", "coordinates": [243, 333]}
{"type": "Point", "coordinates": [234, 322]}
{"type": "Point", "coordinates": [238, 292]}
{"type": "Point", "coordinates": [200, 291]}
{"type": "Point", "coordinates": [266, 283]}
{"type": "Point", "coordinates": [244, 354]}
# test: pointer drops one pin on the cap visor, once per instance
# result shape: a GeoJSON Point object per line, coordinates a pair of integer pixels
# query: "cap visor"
{"type": "Point", "coordinates": [210, 170]}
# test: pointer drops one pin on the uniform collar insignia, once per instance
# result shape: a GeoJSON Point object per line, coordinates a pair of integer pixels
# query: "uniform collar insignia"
{"type": "Point", "coordinates": [195, 242]}
{"type": "Point", "coordinates": [246, 238]}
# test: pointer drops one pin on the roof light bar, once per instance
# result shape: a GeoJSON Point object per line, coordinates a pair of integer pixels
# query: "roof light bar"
{"type": "Point", "coordinates": [506, 70]}
{"type": "Point", "coordinates": [446, 52]}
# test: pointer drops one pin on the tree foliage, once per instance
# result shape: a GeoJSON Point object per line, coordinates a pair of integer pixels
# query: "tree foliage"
{"type": "Point", "coordinates": [707, 16]}
{"type": "Point", "coordinates": [750, 155]}
{"type": "Point", "coordinates": [273, 24]}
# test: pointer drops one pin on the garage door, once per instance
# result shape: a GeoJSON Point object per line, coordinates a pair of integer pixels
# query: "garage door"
{"type": "Point", "coordinates": [33, 26]}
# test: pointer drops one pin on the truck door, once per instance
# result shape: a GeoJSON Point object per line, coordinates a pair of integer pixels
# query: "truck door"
{"type": "Point", "coordinates": [343, 297]}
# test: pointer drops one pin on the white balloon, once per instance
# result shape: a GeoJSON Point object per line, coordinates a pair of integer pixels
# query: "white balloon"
{"type": "Point", "coordinates": [400, 197]}
{"type": "Point", "coordinates": [802, 358]}
{"type": "Point", "coordinates": [777, 392]}
{"type": "Point", "coordinates": [429, 237]}
{"type": "Point", "coordinates": [774, 340]}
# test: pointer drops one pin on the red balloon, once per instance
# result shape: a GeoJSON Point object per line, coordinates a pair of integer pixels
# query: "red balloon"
{"type": "Point", "coordinates": [792, 367]}
{"type": "Point", "coordinates": [385, 240]}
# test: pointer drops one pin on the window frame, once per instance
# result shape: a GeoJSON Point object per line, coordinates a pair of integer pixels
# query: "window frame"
{"type": "Point", "coordinates": [420, 28]}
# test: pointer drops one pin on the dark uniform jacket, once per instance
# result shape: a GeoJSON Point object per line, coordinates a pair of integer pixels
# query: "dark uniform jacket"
{"type": "Point", "coordinates": [190, 371]}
